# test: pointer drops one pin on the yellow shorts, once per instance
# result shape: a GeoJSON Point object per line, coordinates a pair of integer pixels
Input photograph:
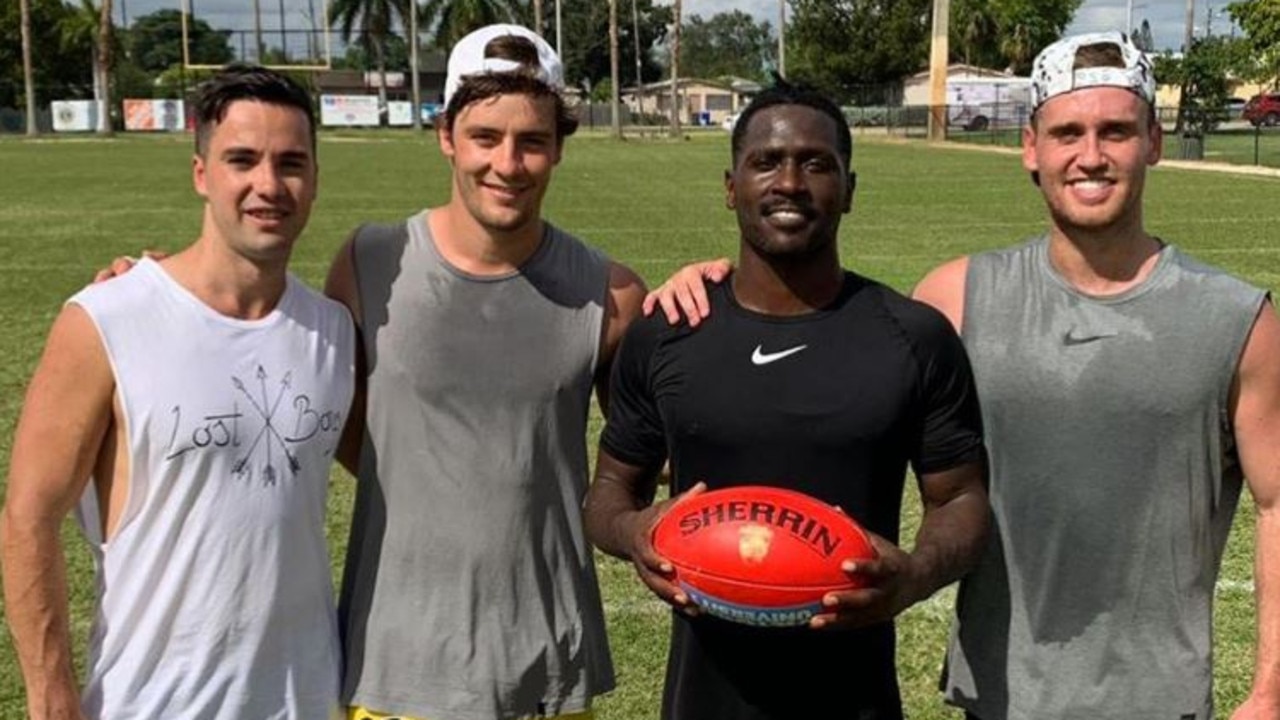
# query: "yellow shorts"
{"type": "Point", "coordinates": [359, 713]}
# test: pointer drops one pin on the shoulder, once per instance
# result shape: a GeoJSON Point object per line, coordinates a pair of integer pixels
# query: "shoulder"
{"type": "Point", "coordinates": [317, 302]}
{"type": "Point", "coordinates": [943, 289]}
{"type": "Point", "coordinates": [1214, 278]}
{"type": "Point", "coordinates": [915, 318]}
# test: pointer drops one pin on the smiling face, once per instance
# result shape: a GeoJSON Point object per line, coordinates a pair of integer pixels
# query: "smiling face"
{"type": "Point", "coordinates": [503, 150]}
{"type": "Point", "coordinates": [1090, 150]}
{"type": "Point", "coordinates": [788, 185]}
{"type": "Point", "coordinates": [257, 175]}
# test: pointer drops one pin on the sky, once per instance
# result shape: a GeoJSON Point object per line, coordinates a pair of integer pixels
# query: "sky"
{"type": "Point", "coordinates": [1167, 17]}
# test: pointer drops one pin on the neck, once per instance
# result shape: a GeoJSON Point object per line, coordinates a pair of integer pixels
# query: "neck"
{"type": "Point", "coordinates": [1103, 263]}
{"type": "Point", "coordinates": [477, 249]}
{"type": "Point", "coordinates": [787, 285]}
{"type": "Point", "coordinates": [231, 284]}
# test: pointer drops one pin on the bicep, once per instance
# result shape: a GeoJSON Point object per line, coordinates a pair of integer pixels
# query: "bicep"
{"type": "Point", "coordinates": [623, 301]}
{"type": "Point", "coordinates": [340, 284]}
{"type": "Point", "coordinates": [64, 419]}
{"type": "Point", "coordinates": [965, 480]}
{"type": "Point", "coordinates": [1256, 416]}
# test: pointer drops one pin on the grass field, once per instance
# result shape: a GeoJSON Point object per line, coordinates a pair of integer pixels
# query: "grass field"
{"type": "Point", "coordinates": [71, 205]}
{"type": "Point", "coordinates": [1237, 145]}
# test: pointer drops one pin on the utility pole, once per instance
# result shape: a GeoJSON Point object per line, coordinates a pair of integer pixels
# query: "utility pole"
{"type": "Point", "coordinates": [559, 33]}
{"type": "Point", "coordinates": [257, 30]}
{"type": "Point", "coordinates": [938, 51]}
{"type": "Point", "coordinates": [537, 16]}
{"type": "Point", "coordinates": [635, 34]}
{"type": "Point", "coordinates": [1128, 17]}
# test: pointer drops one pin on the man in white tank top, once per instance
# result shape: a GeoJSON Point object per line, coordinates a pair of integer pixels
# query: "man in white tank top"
{"type": "Point", "coordinates": [189, 413]}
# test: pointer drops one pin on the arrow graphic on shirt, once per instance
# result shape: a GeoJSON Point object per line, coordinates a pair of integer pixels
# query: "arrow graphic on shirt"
{"type": "Point", "coordinates": [268, 428]}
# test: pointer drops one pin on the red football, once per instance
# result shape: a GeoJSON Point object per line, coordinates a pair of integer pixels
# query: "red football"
{"type": "Point", "coordinates": [760, 555]}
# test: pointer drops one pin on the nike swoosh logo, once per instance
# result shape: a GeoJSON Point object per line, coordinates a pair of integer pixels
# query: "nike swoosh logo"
{"type": "Point", "coordinates": [759, 357]}
{"type": "Point", "coordinates": [1071, 338]}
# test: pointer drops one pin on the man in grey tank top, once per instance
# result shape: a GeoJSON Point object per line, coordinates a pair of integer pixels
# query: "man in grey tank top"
{"type": "Point", "coordinates": [469, 589]}
{"type": "Point", "coordinates": [1126, 390]}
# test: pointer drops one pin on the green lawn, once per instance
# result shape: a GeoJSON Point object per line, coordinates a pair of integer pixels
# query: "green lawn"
{"type": "Point", "coordinates": [71, 205]}
{"type": "Point", "coordinates": [1235, 145]}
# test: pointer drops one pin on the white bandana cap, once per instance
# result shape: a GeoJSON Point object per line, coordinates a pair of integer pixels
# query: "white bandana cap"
{"type": "Point", "coordinates": [468, 58]}
{"type": "Point", "coordinates": [1054, 73]}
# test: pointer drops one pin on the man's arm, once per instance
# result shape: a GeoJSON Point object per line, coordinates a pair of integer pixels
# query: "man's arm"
{"type": "Point", "coordinates": [341, 285]}
{"type": "Point", "coordinates": [66, 415]}
{"type": "Point", "coordinates": [943, 288]}
{"type": "Point", "coordinates": [619, 517]}
{"type": "Point", "coordinates": [952, 534]}
{"type": "Point", "coordinates": [1256, 418]}
{"type": "Point", "coordinates": [622, 306]}
{"type": "Point", "coordinates": [684, 294]}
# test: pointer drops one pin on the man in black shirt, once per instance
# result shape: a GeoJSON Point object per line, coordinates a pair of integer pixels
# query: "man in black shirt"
{"type": "Point", "coordinates": [805, 376]}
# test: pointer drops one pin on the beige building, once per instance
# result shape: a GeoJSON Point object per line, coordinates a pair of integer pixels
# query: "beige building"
{"type": "Point", "coordinates": [701, 102]}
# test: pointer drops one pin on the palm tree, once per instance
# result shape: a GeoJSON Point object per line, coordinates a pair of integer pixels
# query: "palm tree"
{"type": "Point", "coordinates": [374, 20]}
{"type": "Point", "coordinates": [82, 30]}
{"type": "Point", "coordinates": [453, 19]}
{"type": "Point", "coordinates": [106, 41]}
{"type": "Point", "coordinates": [614, 90]}
{"type": "Point", "coordinates": [675, 71]}
{"type": "Point", "coordinates": [28, 79]}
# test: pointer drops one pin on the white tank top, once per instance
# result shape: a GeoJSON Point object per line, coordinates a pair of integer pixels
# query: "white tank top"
{"type": "Point", "coordinates": [214, 597]}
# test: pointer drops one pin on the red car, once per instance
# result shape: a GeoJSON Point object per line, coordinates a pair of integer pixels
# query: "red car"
{"type": "Point", "coordinates": [1263, 109]}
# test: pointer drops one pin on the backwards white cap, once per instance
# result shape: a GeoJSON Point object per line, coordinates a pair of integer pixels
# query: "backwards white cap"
{"type": "Point", "coordinates": [468, 58]}
{"type": "Point", "coordinates": [1054, 72]}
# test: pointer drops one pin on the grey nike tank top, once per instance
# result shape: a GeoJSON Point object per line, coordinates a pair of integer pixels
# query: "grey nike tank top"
{"type": "Point", "coordinates": [470, 589]}
{"type": "Point", "coordinates": [1114, 482]}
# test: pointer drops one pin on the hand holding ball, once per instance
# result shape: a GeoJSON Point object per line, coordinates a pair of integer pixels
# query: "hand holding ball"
{"type": "Point", "coordinates": [760, 555]}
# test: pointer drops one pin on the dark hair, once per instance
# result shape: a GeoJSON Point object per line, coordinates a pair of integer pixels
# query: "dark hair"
{"type": "Point", "coordinates": [786, 93]}
{"type": "Point", "coordinates": [524, 81]}
{"type": "Point", "coordinates": [247, 82]}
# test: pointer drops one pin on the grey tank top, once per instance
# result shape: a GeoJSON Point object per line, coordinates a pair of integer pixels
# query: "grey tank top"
{"type": "Point", "coordinates": [1113, 481]}
{"type": "Point", "coordinates": [469, 589]}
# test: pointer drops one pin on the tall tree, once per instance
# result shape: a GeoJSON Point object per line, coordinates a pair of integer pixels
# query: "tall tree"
{"type": "Point", "coordinates": [155, 41]}
{"type": "Point", "coordinates": [1001, 34]}
{"type": "Point", "coordinates": [853, 49]}
{"type": "Point", "coordinates": [613, 70]}
{"type": "Point", "coordinates": [59, 71]}
{"type": "Point", "coordinates": [28, 75]}
{"type": "Point", "coordinates": [675, 70]}
{"type": "Point", "coordinates": [374, 21]}
{"type": "Point", "coordinates": [586, 46]}
{"type": "Point", "coordinates": [726, 44]}
{"type": "Point", "coordinates": [106, 42]}
{"type": "Point", "coordinates": [1260, 22]}
{"type": "Point", "coordinates": [453, 19]}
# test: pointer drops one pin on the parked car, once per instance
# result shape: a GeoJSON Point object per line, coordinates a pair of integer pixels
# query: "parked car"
{"type": "Point", "coordinates": [1234, 108]}
{"type": "Point", "coordinates": [1263, 109]}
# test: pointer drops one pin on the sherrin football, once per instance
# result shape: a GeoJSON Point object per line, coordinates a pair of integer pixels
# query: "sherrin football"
{"type": "Point", "coordinates": [760, 555]}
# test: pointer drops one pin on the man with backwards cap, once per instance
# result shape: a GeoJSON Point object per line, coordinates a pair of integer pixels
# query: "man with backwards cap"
{"type": "Point", "coordinates": [469, 588]}
{"type": "Point", "coordinates": [1126, 389]}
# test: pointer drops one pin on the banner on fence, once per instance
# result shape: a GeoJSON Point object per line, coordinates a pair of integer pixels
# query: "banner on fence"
{"type": "Point", "coordinates": [74, 115]}
{"type": "Point", "coordinates": [145, 115]}
{"type": "Point", "coordinates": [348, 110]}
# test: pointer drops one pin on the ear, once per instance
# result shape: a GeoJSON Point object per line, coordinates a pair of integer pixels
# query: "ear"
{"type": "Point", "coordinates": [1157, 144]}
{"type": "Point", "coordinates": [444, 136]}
{"type": "Point", "coordinates": [1029, 159]}
{"type": "Point", "coordinates": [848, 196]}
{"type": "Point", "coordinates": [730, 194]}
{"type": "Point", "coordinates": [198, 171]}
